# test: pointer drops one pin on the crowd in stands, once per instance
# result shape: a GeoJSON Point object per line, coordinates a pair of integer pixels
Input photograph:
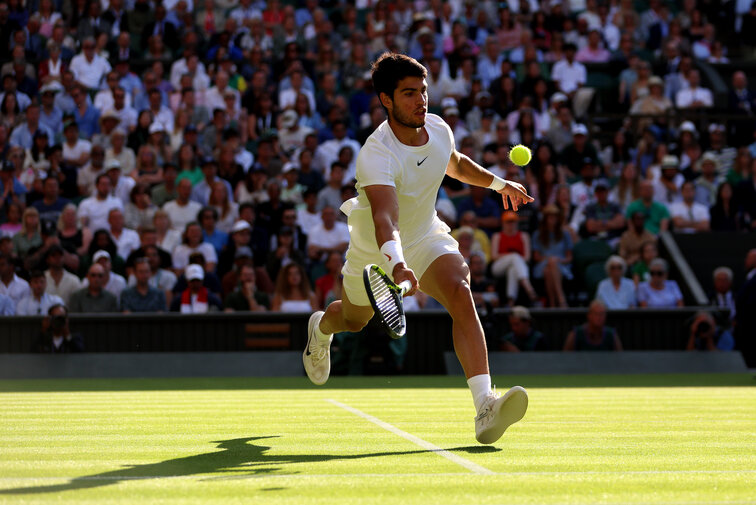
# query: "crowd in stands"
{"type": "Point", "coordinates": [193, 156]}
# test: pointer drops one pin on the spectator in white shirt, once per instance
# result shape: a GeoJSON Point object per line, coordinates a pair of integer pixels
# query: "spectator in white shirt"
{"type": "Point", "coordinates": [89, 67]}
{"type": "Point", "coordinates": [567, 73]}
{"type": "Point", "coordinates": [182, 210]}
{"type": "Point", "coordinates": [11, 285]}
{"type": "Point", "coordinates": [689, 216]}
{"type": "Point", "coordinates": [330, 236]}
{"type": "Point", "coordinates": [193, 243]}
{"type": "Point", "coordinates": [288, 97]}
{"type": "Point", "coordinates": [93, 211]}
{"type": "Point", "coordinates": [112, 283]}
{"type": "Point", "coordinates": [59, 281]}
{"type": "Point", "coordinates": [120, 184]}
{"type": "Point", "coordinates": [126, 240]}
{"type": "Point", "coordinates": [694, 97]}
{"type": "Point", "coordinates": [214, 95]}
{"type": "Point", "coordinates": [328, 151]}
{"type": "Point", "coordinates": [37, 302]}
{"type": "Point", "coordinates": [75, 150]}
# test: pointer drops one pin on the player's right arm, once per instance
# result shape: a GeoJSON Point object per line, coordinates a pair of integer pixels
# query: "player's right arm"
{"type": "Point", "coordinates": [385, 209]}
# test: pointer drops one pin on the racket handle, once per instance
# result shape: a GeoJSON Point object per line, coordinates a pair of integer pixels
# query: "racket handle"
{"type": "Point", "coordinates": [405, 286]}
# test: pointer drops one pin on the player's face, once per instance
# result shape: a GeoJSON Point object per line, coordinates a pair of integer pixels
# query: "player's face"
{"type": "Point", "coordinates": [410, 102]}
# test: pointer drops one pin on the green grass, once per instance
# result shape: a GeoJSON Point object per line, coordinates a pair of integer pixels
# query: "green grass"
{"type": "Point", "coordinates": [585, 439]}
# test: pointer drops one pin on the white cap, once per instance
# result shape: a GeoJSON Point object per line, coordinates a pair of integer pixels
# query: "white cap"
{"type": "Point", "coordinates": [670, 161]}
{"type": "Point", "coordinates": [53, 86]}
{"type": "Point", "coordinates": [558, 97]}
{"type": "Point", "coordinates": [288, 167]}
{"type": "Point", "coordinates": [289, 118]}
{"type": "Point", "coordinates": [448, 102]}
{"type": "Point", "coordinates": [451, 111]}
{"type": "Point", "coordinates": [99, 255]}
{"type": "Point", "coordinates": [112, 163]}
{"type": "Point", "coordinates": [240, 225]}
{"type": "Point", "coordinates": [579, 129]}
{"type": "Point", "coordinates": [195, 272]}
{"type": "Point", "coordinates": [688, 126]}
{"type": "Point", "coordinates": [156, 127]}
{"type": "Point", "coordinates": [713, 127]}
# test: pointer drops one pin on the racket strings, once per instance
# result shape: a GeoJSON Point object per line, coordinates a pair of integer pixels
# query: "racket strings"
{"type": "Point", "coordinates": [386, 302]}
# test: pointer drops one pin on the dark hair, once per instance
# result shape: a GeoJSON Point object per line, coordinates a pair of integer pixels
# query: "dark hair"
{"type": "Point", "coordinates": [390, 68]}
{"type": "Point", "coordinates": [55, 306]}
{"type": "Point", "coordinates": [110, 246]}
{"type": "Point", "coordinates": [97, 180]}
{"type": "Point", "coordinates": [207, 208]}
{"type": "Point", "coordinates": [36, 274]}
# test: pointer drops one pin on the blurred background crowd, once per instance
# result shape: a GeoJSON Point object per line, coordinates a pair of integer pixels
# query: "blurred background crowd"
{"type": "Point", "coordinates": [192, 155]}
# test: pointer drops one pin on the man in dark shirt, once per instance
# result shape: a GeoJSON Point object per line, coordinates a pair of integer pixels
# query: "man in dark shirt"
{"type": "Point", "coordinates": [603, 219]}
{"type": "Point", "coordinates": [56, 337]}
{"type": "Point", "coordinates": [51, 205]}
{"type": "Point", "coordinates": [246, 297]}
{"type": "Point", "coordinates": [523, 336]}
{"type": "Point", "coordinates": [94, 298]}
{"type": "Point", "coordinates": [142, 297]}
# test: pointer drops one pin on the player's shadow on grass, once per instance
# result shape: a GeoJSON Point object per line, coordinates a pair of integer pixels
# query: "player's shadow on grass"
{"type": "Point", "coordinates": [238, 456]}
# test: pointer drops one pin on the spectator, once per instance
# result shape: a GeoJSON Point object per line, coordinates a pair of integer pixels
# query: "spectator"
{"type": "Point", "coordinates": [139, 212]}
{"type": "Point", "coordinates": [142, 297]}
{"type": "Point", "coordinates": [182, 210]}
{"type": "Point", "coordinates": [483, 288]}
{"type": "Point", "coordinates": [11, 189]}
{"type": "Point", "coordinates": [617, 292]}
{"type": "Point", "coordinates": [330, 195]}
{"type": "Point", "coordinates": [56, 337]}
{"type": "Point", "coordinates": [634, 237]}
{"type": "Point", "coordinates": [37, 302]}
{"type": "Point", "coordinates": [594, 335]}
{"type": "Point", "coordinates": [93, 297]}
{"type": "Point", "coordinates": [11, 285]}
{"type": "Point", "coordinates": [522, 336]}
{"type": "Point", "coordinates": [167, 239]}
{"type": "Point", "coordinates": [23, 134]}
{"type": "Point", "coordinates": [285, 252]}
{"type": "Point", "coordinates": [112, 282]}
{"type": "Point", "coordinates": [160, 278]}
{"type": "Point", "coordinates": [745, 194]}
{"type": "Point", "coordinates": [201, 192]}
{"type": "Point", "coordinates": [709, 180]}
{"type": "Point", "coordinates": [93, 211]}
{"type": "Point", "coordinates": [292, 293]}
{"type": "Point", "coordinates": [207, 219]}
{"type": "Point", "coordinates": [722, 296]}
{"type": "Point", "coordinates": [689, 216]}
{"type": "Point", "coordinates": [659, 292]}
{"type": "Point", "coordinates": [725, 213]}
{"type": "Point", "coordinates": [196, 298]}
{"type": "Point", "coordinates": [51, 205]}
{"type": "Point", "coordinates": [580, 156]}
{"type": "Point", "coordinates": [694, 97]}
{"type": "Point", "coordinates": [656, 214]}
{"type": "Point", "coordinates": [166, 191]}
{"type": "Point", "coordinates": [193, 242]}
{"type": "Point", "coordinates": [330, 236]}
{"type": "Point", "coordinates": [485, 208]}
{"type": "Point", "coordinates": [59, 281]}
{"type": "Point", "coordinates": [511, 254]}
{"type": "Point", "coordinates": [12, 225]}
{"type": "Point", "coordinates": [125, 239]}
{"type": "Point", "coordinates": [328, 286]}
{"type": "Point", "coordinates": [29, 237]}
{"type": "Point", "coordinates": [568, 74]}
{"type": "Point", "coordinates": [227, 210]}
{"type": "Point", "coordinates": [481, 241]}
{"type": "Point", "coordinates": [667, 188]}
{"type": "Point", "coordinates": [6, 306]}
{"type": "Point", "coordinates": [552, 252]}
{"type": "Point", "coordinates": [603, 219]}
{"type": "Point", "coordinates": [246, 296]}
{"type": "Point", "coordinates": [653, 103]}
{"type": "Point", "coordinates": [705, 335]}
{"type": "Point", "coordinates": [593, 52]}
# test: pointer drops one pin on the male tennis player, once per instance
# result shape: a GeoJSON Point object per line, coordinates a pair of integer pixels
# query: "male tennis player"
{"type": "Point", "coordinates": [393, 223]}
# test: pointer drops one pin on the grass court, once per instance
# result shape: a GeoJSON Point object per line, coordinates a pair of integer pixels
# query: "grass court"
{"type": "Point", "coordinates": [674, 439]}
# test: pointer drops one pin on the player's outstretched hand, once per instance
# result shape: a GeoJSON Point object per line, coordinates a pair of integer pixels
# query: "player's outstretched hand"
{"type": "Point", "coordinates": [403, 273]}
{"type": "Point", "coordinates": [516, 193]}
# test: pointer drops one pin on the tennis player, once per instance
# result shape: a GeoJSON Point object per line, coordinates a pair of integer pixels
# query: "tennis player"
{"type": "Point", "coordinates": [393, 223]}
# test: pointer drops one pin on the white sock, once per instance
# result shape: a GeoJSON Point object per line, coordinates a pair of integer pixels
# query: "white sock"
{"type": "Point", "coordinates": [322, 337]}
{"type": "Point", "coordinates": [480, 386]}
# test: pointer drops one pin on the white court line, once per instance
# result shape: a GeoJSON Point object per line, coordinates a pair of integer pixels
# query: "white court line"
{"type": "Point", "coordinates": [473, 467]}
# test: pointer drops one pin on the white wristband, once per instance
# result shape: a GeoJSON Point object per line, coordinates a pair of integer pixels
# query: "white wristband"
{"type": "Point", "coordinates": [497, 183]}
{"type": "Point", "coordinates": [392, 251]}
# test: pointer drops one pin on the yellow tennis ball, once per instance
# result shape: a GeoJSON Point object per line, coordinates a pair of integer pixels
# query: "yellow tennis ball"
{"type": "Point", "coordinates": [520, 155]}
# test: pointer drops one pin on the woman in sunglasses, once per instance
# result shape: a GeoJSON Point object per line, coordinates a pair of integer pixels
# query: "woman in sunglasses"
{"type": "Point", "coordinates": [659, 292]}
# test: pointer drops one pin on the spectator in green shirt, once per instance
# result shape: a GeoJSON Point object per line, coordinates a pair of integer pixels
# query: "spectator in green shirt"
{"type": "Point", "coordinates": [657, 214]}
{"type": "Point", "coordinates": [246, 297]}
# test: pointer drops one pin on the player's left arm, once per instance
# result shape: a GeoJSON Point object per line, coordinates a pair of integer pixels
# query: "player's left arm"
{"type": "Point", "coordinates": [462, 168]}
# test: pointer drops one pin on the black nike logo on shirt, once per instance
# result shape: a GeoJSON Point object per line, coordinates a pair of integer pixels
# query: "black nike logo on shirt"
{"type": "Point", "coordinates": [421, 161]}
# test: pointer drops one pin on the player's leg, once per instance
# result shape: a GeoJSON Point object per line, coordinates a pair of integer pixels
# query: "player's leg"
{"type": "Point", "coordinates": [341, 315]}
{"type": "Point", "coordinates": [447, 280]}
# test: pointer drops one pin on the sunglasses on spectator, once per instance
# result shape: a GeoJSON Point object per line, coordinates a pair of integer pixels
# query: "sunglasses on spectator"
{"type": "Point", "coordinates": [658, 272]}
{"type": "Point", "coordinates": [615, 267]}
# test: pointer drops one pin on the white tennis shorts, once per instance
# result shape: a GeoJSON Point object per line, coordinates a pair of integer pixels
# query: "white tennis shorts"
{"type": "Point", "coordinates": [418, 256]}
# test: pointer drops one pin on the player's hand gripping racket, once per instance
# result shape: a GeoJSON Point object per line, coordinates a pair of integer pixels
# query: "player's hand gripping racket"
{"type": "Point", "coordinates": [386, 299]}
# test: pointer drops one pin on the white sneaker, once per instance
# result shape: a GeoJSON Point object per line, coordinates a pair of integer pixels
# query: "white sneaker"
{"type": "Point", "coordinates": [317, 355]}
{"type": "Point", "coordinates": [499, 413]}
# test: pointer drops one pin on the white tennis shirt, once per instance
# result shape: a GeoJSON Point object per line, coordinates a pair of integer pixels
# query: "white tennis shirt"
{"type": "Point", "coordinates": [415, 172]}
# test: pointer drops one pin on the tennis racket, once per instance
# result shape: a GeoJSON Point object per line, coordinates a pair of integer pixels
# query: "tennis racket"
{"type": "Point", "coordinates": [386, 299]}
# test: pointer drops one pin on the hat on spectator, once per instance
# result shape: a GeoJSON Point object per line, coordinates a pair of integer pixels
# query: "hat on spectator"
{"type": "Point", "coordinates": [243, 252]}
{"type": "Point", "coordinates": [110, 114]}
{"type": "Point", "coordinates": [51, 87]}
{"type": "Point", "coordinates": [688, 126]}
{"type": "Point", "coordinates": [716, 127]}
{"type": "Point", "coordinates": [558, 97]}
{"type": "Point", "coordinates": [99, 255]}
{"type": "Point", "coordinates": [465, 230]}
{"type": "Point", "coordinates": [424, 30]}
{"type": "Point", "coordinates": [520, 312]}
{"type": "Point", "coordinates": [190, 128]}
{"type": "Point", "coordinates": [208, 160]}
{"type": "Point", "coordinates": [708, 158]}
{"type": "Point", "coordinates": [288, 167]}
{"type": "Point", "coordinates": [240, 225]}
{"type": "Point", "coordinates": [550, 209]}
{"type": "Point", "coordinates": [655, 80]}
{"type": "Point", "coordinates": [448, 102]}
{"type": "Point", "coordinates": [579, 129]}
{"type": "Point", "coordinates": [670, 161]}
{"type": "Point", "coordinates": [509, 215]}
{"type": "Point", "coordinates": [195, 273]}
{"type": "Point", "coordinates": [289, 118]}
{"type": "Point", "coordinates": [601, 184]}
{"type": "Point", "coordinates": [112, 164]}
{"type": "Point", "coordinates": [156, 127]}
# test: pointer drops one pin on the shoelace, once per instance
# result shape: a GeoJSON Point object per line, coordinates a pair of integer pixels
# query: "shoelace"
{"type": "Point", "coordinates": [487, 409]}
{"type": "Point", "coordinates": [317, 352]}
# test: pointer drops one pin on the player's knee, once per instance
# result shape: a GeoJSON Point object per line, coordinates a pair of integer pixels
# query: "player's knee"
{"type": "Point", "coordinates": [460, 291]}
{"type": "Point", "coordinates": [354, 325]}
